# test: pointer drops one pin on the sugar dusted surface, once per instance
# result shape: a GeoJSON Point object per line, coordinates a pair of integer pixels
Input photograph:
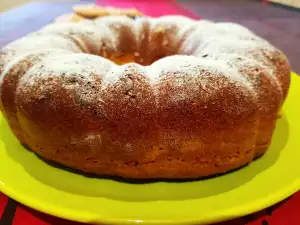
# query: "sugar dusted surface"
{"type": "Point", "coordinates": [68, 65]}
{"type": "Point", "coordinates": [34, 42]}
{"type": "Point", "coordinates": [210, 47]}
{"type": "Point", "coordinates": [21, 56]}
{"type": "Point", "coordinates": [186, 67]}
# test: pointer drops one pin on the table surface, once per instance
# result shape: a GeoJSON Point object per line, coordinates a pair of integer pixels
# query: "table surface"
{"type": "Point", "coordinates": [281, 26]}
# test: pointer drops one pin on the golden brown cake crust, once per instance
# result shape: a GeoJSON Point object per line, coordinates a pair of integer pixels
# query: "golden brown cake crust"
{"type": "Point", "coordinates": [91, 12]}
{"type": "Point", "coordinates": [94, 11]}
{"type": "Point", "coordinates": [179, 117]}
{"type": "Point", "coordinates": [70, 17]}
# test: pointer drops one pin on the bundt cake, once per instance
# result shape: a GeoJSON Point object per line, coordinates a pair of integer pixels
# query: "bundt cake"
{"type": "Point", "coordinates": [166, 97]}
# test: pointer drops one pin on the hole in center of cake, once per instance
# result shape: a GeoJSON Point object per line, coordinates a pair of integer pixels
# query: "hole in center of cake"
{"type": "Point", "coordinates": [135, 57]}
{"type": "Point", "coordinates": [124, 58]}
{"type": "Point", "coordinates": [143, 48]}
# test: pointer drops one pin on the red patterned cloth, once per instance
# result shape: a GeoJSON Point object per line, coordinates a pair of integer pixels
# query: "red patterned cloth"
{"type": "Point", "coordinates": [284, 213]}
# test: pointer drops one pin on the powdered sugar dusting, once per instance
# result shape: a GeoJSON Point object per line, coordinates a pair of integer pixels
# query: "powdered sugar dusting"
{"type": "Point", "coordinates": [86, 35]}
{"type": "Point", "coordinates": [191, 66]}
{"type": "Point", "coordinates": [192, 35]}
{"type": "Point", "coordinates": [213, 49]}
{"type": "Point", "coordinates": [83, 65]}
{"type": "Point", "coordinates": [225, 50]}
{"type": "Point", "coordinates": [242, 62]}
{"type": "Point", "coordinates": [188, 73]}
{"type": "Point", "coordinates": [118, 72]}
{"type": "Point", "coordinates": [35, 42]}
{"type": "Point", "coordinates": [34, 56]}
{"type": "Point", "coordinates": [113, 75]}
{"type": "Point", "coordinates": [110, 28]}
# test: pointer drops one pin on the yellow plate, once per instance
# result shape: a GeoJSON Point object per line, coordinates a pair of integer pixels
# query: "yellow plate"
{"type": "Point", "coordinates": [266, 181]}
